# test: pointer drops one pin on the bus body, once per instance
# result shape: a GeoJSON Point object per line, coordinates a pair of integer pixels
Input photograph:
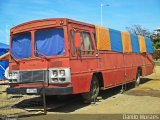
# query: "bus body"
{"type": "Point", "coordinates": [46, 57]}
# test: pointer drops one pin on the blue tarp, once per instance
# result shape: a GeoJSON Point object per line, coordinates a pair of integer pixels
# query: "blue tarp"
{"type": "Point", "coordinates": [116, 40]}
{"type": "Point", "coordinates": [49, 42]}
{"type": "Point", "coordinates": [149, 45]}
{"type": "Point", "coordinates": [3, 49]}
{"type": "Point", "coordinates": [4, 46]}
{"type": "Point", "coordinates": [21, 45]}
{"type": "Point", "coordinates": [135, 43]}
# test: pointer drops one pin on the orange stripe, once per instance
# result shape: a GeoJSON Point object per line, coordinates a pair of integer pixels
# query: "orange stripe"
{"type": "Point", "coordinates": [142, 43]}
{"type": "Point", "coordinates": [103, 39]}
{"type": "Point", "coordinates": [126, 42]}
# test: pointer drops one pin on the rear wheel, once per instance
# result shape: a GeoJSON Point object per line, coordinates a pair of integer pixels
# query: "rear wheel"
{"type": "Point", "coordinates": [93, 93]}
{"type": "Point", "coordinates": [137, 82]}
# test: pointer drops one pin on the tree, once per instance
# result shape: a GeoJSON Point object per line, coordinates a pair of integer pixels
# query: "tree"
{"type": "Point", "coordinates": [156, 44]}
{"type": "Point", "coordinates": [155, 37]}
{"type": "Point", "coordinates": [138, 30]}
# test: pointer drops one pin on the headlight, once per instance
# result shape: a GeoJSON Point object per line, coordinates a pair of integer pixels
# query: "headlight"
{"type": "Point", "coordinates": [54, 80]}
{"type": "Point", "coordinates": [10, 76]}
{"type": "Point", "coordinates": [62, 79]}
{"type": "Point", "coordinates": [55, 73]}
{"type": "Point", "coordinates": [13, 77]}
{"type": "Point", "coordinates": [60, 75]}
{"type": "Point", "coordinates": [62, 72]}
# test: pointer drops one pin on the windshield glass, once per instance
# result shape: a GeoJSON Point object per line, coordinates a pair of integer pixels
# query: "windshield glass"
{"type": "Point", "coordinates": [49, 42]}
{"type": "Point", "coordinates": [21, 45]}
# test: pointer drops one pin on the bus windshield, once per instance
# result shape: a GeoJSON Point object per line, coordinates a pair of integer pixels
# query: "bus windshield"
{"type": "Point", "coordinates": [49, 42]}
{"type": "Point", "coordinates": [21, 45]}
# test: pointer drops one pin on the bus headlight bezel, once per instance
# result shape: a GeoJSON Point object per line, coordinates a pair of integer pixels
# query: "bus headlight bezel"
{"type": "Point", "coordinates": [64, 75]}
{"type": "Point", "coordinates": [13, 77]}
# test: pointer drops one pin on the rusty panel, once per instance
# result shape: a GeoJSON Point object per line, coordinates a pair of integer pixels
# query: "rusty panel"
{"type": "Point", "coordinates": [119, 76]}
{"type": "Point", "coordinates": [149, 69]}
{"type": "Point", "coordinates": [139, 59]}
{"type": "Point", "coordinates": [55, 64]}
{"type": "Point", "coordinates": [81, 73]}
{"type": "Point", "coordinates": [112, 66]}
{"type": "Point", "coordinates": [132, 60]}
{"type": "Point", "coordinates": [37, 24]}
{"type": "Point", "coordinates": [131, 73]}
{"type": "Point", "coordinates": [111, 60]}
{"type": "Point", "coordinates": [81, 82]}
{"type": "Point", "coordinates": [39, 64]}
{"type": "Point", "coordinates": [108, 77]}
{"type": "Point", "coordinates": [15, 67]}
{"type": "Point", "coordinates": [34, 25]}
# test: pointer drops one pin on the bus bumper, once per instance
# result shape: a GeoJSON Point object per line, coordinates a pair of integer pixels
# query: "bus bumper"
{"type": "Point", "coordinates": [40, 91]}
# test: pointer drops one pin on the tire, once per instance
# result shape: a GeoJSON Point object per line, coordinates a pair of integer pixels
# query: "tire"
{"type": "Point", "coordinates": [93, 93]}
{"type": "Point", "coordinates": [137, 82]}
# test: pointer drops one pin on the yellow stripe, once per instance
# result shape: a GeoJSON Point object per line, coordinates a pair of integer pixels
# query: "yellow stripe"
{"type": "Point", "coordinates": [126, 42]}
{"type": "Point", "coordinates": [103, 38]}
{"type": "Point", "coordinates": [142, 43]}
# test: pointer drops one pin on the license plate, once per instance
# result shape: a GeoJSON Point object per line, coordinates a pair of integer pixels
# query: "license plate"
{"type": "Point", "coordinates": [31, 91]}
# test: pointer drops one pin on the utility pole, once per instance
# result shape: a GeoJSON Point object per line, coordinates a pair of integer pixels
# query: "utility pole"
{"type": "Point", "coordinates": [102, 12]}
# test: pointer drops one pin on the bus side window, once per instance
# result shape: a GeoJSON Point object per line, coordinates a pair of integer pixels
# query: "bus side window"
{"type": "Point", "coordinates": [72, 33]}
{"type": "Point", "coordinates": [86, 44]}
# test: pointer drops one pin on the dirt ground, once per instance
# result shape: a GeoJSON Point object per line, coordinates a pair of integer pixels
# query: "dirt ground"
{"type": "Point", "coordinates": [144, 99]}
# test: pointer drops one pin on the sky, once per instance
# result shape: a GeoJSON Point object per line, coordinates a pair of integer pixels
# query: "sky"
{"type": "Point", "coordinates": [118, 15]}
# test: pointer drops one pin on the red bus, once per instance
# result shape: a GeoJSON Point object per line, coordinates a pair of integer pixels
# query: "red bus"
{"type": "Point", "coordinates": [60, 56]}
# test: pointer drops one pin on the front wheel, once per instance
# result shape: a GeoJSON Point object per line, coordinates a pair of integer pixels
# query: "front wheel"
{"type": "Point", "coordinates": [137, 82]}
{"type": "Point", "coordinates": [93, 93]}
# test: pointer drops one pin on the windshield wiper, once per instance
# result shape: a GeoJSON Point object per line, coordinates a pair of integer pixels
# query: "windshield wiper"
{"type": "Point", "coordinates": [42, 55]}
{"type": "Point", "coordinates": [14, 58]}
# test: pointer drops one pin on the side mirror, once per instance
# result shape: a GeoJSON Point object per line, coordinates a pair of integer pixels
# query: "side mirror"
{"type": "Point", "coordinates": [77, 40]}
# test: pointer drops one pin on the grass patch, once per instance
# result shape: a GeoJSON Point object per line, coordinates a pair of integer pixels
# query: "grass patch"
{"type": "Point", "coordinates": [157, 63]}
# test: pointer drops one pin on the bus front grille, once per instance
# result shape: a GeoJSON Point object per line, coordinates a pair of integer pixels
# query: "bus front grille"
{"type": "Point", "coordinates": [34, 76]}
